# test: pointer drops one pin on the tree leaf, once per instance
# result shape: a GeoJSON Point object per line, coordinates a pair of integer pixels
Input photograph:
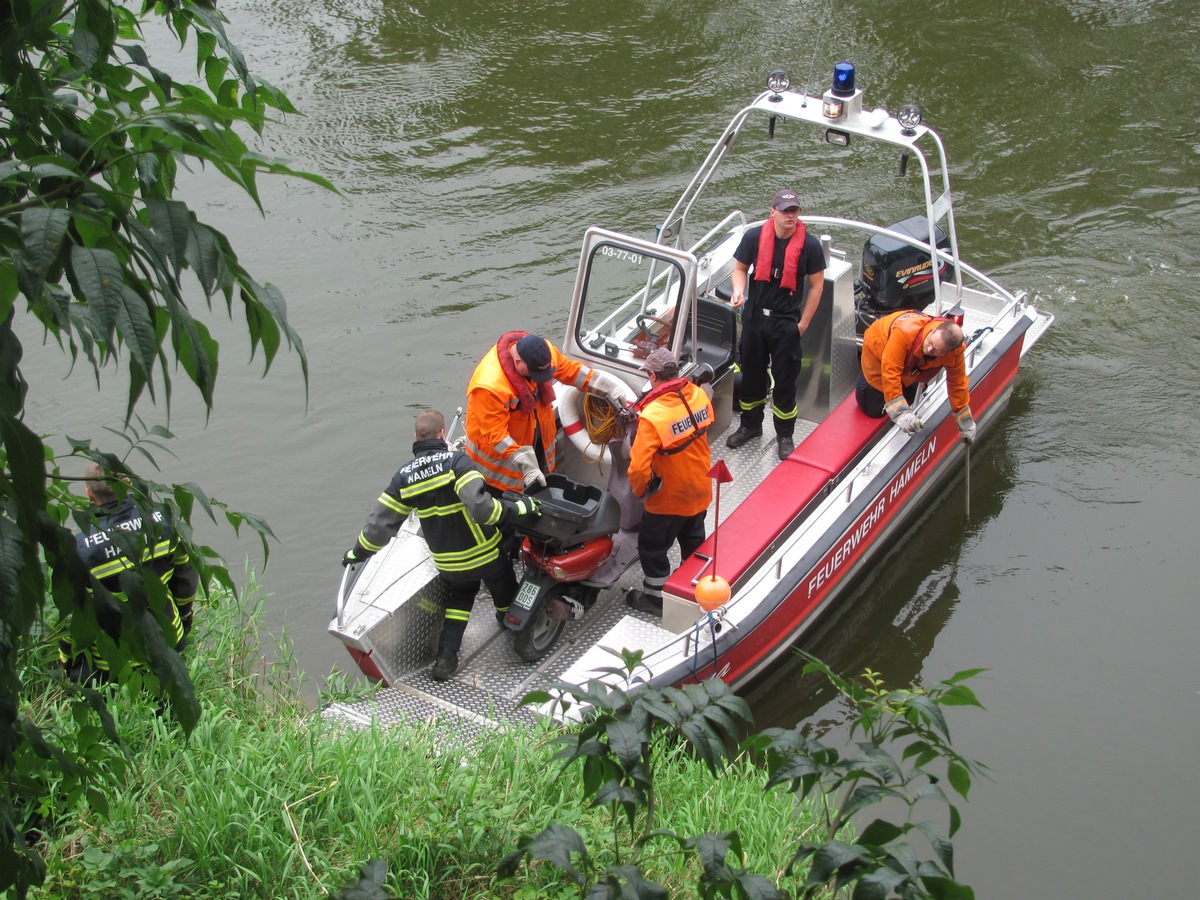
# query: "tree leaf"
{"type": "Point", "coordinates": [556, 845]}
{"type": "Point", "coordinates": [172, 223]}
{"type": "Point", "coordinates": [26, 461]}
{"type": "Point", "coordinates": [626, 741]}
{"type": "Point", "coordinates": [960, 778]}
{"type": "Point", "coordinates": [865, 795]}
{"type": "Point", "coordinates": [43, 231]}
{"type": "Point", "coordinates": [940, 842]}
{"type": "Point", "coordinates": [879, 832]}
{"type": "Point", "coordinates": [833, 858]}
{"type": "Point", "coordinates": [115, 305]}
{"type": "Point", "coordinates": [877, 885]}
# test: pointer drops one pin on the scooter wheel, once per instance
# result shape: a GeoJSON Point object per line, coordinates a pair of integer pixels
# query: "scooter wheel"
{"type": "Point", "coordinates": [540, 635]}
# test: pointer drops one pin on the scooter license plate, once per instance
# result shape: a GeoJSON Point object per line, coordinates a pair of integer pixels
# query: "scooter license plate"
{"type": "Point", "coordinates": [527, 594]}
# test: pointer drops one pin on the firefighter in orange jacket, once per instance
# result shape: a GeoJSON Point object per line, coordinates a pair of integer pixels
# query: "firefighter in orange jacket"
{"type": "Point", "coordinates": [668, 466]}
{"type": "Point", "coordinates": [903, 350]}
{"type": "Point", "coordinates": [510, 420]}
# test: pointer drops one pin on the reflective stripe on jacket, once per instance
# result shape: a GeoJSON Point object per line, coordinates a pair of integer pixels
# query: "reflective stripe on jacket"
{"type": "Point", "coordinates": [661, 447]}
{"type": "Point", "coordinates": [458, 516]}
{"type": "Point", "coordinates": [886, 346]}
{"type": "Point", "coordinates": [106, 550]}
{"type": "Point", "coordinates": [496, 426]}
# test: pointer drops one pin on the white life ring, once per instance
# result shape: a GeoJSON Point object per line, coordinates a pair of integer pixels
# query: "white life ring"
{"type": "Point", "coordinates": [570, 413]}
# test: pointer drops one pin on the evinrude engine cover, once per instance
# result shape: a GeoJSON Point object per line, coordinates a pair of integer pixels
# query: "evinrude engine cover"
{"type": "Point", "coordinates": [896, 275]}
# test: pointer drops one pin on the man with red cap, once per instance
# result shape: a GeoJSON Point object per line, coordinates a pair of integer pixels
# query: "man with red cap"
{"type": "Point", "coordinates": [510, 417]}
{"type": "Point", "coordinates": [668, 467]}
{"type": "Point", "coordinates": [788, 268]}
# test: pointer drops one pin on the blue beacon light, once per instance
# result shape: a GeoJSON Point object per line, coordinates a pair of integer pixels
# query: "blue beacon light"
{"type": "Point", "coordinates": [843, 79]}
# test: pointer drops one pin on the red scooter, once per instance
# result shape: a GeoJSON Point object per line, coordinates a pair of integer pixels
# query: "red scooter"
{"type": "Point", "coordinates": [560, 552]}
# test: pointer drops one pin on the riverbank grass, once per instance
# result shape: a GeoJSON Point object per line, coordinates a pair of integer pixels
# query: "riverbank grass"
{"type": "Point", "coordinates": [266, 799]}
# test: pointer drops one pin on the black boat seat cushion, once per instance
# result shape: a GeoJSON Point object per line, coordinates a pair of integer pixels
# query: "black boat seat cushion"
{"type": "Point", "coordinates": [716, 335]}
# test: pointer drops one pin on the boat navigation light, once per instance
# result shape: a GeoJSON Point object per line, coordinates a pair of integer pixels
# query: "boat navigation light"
{"type": "Point", "coordinates": [909, 117]}
{"type": "Point", "coordinates": [843, 80]}
{"type": "Point", "coordinates": [777, 83]}
{"type": "Point", "coordinates": [842, 100]}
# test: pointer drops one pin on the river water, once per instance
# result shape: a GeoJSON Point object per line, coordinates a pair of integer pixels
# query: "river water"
{"type": "Point", "coordinates": [474, 142]}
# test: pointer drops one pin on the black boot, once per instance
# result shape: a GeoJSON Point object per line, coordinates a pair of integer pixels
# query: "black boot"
{"type": "Point", "coordinates": [643, 602]}
{"type": "Point", "coordinates": [742, 435]}
{"type": "Point", "coordinates": [445, 665]}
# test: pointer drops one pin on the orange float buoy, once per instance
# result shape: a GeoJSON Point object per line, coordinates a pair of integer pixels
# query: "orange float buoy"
{"type": "Point", "coordinates": [711, 592]}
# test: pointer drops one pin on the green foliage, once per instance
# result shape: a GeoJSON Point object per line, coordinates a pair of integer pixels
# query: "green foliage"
{"type": "Point", "coordinates": [881, 862]}
{"type": "Point", "coordinates": [128, 871]}
{"type": "Point", "coordinates": [93, 240]}
{"type": "Point", "coordinates": [623, 728]}
{"type": "Point", "coordinates": [266, 799]}
{"type": "Point", "coordinates": [370, 884]}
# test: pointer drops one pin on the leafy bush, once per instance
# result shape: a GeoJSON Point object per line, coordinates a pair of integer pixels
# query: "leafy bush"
{"type": "Point", "coordinates": [625, 730]}
{"type": "Point", "coordinates": [93, 239]}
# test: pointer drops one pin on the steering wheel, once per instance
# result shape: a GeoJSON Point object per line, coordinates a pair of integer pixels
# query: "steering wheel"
{"type": "Point", "coordinates": [644, 322]}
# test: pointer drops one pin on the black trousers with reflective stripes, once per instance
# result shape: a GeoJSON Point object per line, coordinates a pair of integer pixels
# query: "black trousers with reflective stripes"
{"type": "Point", "coordinates": [657, 534]}
{"type": "Point", "coordinates": [770, 343]}
{"type": "Point", "coordinates": [464, 588]}
{"type": "Point", "coordinates": [871, 400]}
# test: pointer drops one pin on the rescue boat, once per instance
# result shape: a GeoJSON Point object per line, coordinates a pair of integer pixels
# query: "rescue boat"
{"type": "Point", "coordinates": [793, 535]}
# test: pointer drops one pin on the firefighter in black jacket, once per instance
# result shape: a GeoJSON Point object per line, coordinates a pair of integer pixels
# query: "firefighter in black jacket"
{"type": "Point", "coordinates": [110, 548]}
{"type": "Point", "coordinates": [459, 520]}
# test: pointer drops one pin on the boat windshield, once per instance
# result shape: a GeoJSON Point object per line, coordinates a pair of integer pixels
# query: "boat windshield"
{"type": "Point", "coordinates": [630, 297]}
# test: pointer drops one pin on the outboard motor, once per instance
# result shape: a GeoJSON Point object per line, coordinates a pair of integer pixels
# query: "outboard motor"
{"type": "Point", "coordinates": [896, 275]}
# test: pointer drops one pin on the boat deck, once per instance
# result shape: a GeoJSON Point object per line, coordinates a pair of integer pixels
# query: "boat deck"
{"type": "Point", "coordinates": [491, 679]}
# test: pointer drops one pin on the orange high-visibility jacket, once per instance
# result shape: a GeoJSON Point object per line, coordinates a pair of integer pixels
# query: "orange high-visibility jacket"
{"type": "Point", "coordinates": [664, 427]}
{"type": "Point", "coordinates": [495, 427]}
{"type": "Point", "coordinates": [886, 346]}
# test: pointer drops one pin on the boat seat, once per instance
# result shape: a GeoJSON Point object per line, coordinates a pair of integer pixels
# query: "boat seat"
{"type": "Point", "coordinates": [841, 438]}
{"type": "Point", "coordinates": [716, 336]}
{"type": "Point", "coordinates": [784, 495]}
{"type": "Point", "coordinates": [749, 530]}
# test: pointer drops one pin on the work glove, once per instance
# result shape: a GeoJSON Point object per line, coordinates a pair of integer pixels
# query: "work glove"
{"type": "Point", "coordinates": [355, 554]}
{"type": "Point", "coordinates": [527, 507]}
{"type": "Point", "coordinates": [899, 412]}
{"type": "Point", "coordinates": [966, 424]}
{"type": "Point", "coordinates": [609, 387]}
{"type": "Point", "coordinates": [525, 459]}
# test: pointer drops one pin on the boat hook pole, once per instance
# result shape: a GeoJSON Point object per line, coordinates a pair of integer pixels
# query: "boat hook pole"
{"type": "Point", "coordinates": [968, 474]}
{"type": "Point", "coordinates": [453, 425]}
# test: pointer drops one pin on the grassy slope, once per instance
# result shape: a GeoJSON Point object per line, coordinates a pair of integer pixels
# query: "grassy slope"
{"type": "Point", "coordinates": [267, 800]}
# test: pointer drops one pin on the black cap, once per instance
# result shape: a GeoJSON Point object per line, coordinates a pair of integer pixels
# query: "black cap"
{"type": "Point", "coordinates": [535, 352]}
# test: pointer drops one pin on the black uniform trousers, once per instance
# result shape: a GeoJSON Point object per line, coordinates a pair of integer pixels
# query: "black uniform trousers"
{"type": "Point", "coordinates": [870, 400]}
{"type": "Point", "coordinates": [657, 534]}
{"type": "Point", "coordinates": [769, 342]}
{"type": "Point", "coordinates": [501, 582]}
